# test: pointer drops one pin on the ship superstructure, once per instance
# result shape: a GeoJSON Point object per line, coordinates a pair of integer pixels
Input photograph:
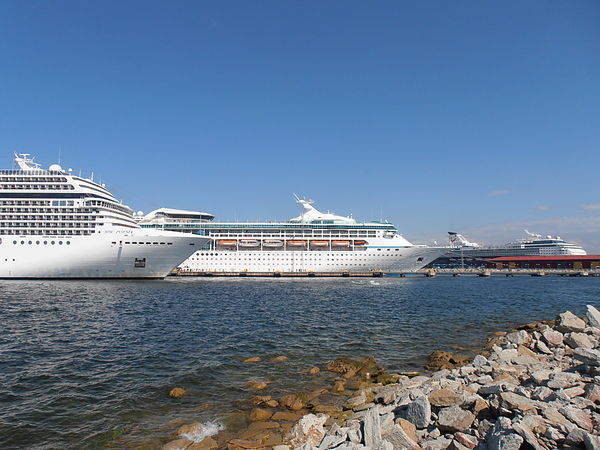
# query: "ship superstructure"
{"type": "Point", "coordinates": [54, 224]}
{"type": "Point", "coordinates": [312, 242]}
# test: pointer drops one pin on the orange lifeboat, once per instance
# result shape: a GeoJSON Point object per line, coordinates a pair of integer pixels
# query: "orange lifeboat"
{"type": "Point", "coordinates": [296, 243]}
{"type": "Point", "coordinates": [226, 242]}
{"type": "Point", "coordinates": [360, 242]}
{"type": "Point", "coordinates": [340, 243]}
{"type": "Point", "coordinates": [319, 243]}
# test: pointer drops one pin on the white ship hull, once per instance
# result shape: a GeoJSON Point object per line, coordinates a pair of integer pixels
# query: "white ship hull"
{"type": "Point", "coordinates": [394, 259]}
{"type": "Point", "coordinates": [134, 253]}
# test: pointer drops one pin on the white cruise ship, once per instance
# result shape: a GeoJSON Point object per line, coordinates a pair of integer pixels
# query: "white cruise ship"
{"type": "Point", "coordinates": [311, 242]}
{"type": "Point", "coordinates": [57, 225]}
{"type": "Point", "coordinates": [533, 245]}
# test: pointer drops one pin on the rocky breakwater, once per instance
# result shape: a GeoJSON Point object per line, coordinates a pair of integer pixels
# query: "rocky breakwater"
{"type": "Point", "coordinates": [537, 387]}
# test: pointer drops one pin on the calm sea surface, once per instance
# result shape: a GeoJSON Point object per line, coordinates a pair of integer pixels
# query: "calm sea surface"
{"type": "Point", "coordinates": [90, 363]}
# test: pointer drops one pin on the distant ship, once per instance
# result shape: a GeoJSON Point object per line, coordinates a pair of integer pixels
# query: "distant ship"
{"type": "Point", "coordinates": [54, 224]}
{"type": "Point", "coordinates": [312, 242]}
{"type": "Point", "coordinates": [533, 245]}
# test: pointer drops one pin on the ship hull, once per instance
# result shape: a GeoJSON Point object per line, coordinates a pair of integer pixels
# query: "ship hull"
{"type": "Point", "coordinates": [134, 253]}
{"type": "Point", "coordinates": [388, 259]}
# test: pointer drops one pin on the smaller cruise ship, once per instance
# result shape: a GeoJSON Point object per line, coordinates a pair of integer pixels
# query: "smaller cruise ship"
{"type": "Point", "coordinates": [311, 242]}
{"type": "Point", "coordinates": [533, 245]}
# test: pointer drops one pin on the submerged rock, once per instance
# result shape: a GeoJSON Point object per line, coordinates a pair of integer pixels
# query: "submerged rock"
{"type": "Point", "coordinates": [177, 392]}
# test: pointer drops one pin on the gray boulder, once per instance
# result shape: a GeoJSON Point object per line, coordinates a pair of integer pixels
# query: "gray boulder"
{"type": "Point", "coordinates": [419, 412]}
{"type": "Point", "coordinates": [593, 316]}
{"type": "Point", "coordinates": [568, 321]}
{"type": "Point", "coordinates": [587, 356]}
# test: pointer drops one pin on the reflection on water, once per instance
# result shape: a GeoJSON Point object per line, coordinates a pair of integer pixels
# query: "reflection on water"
{"type": "Point", "coordinates": [88, 361]}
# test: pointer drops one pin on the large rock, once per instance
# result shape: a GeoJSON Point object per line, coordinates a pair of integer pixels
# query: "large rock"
{"type": "Point", "coordinates": [575, 340]}
{"type": "Point", "coordinates": [503, 437]}
{"type": "Point", "coordinates": [568, 321]}
{"type": "Point", "coordinates": [292, 401]}
{"type": "Point", "coordinates": [587, 356]}
{"type": "Point", "coordinates": [308, 430]}
{"type": "Point", "coordinates": [260, 414]}
{"type": "Point", "coordinates": [419, 412]}
{"type": "Point", "coordinates": [372, 428]}
{"type": "Point", "coordinates": [580, 417]}
{"type": "Point", "coordinates": [439, 360]}
{"type": "Point", "coordinates": [344, 365]}
{"type": "Point", "coordinates": [454, 419]}
{"type": "Point", "coordinates": [444, 397]}
{"type": "Point", "coordinates": [552, 337]}
{"type": "Point", "coordinates": [400, 439]}
{"type": "Point", "coordinates": [519, 337]}
{"type": "Point", "coordinates": [563, 380]}
{"type": "Point", "coordinates": [527, 434]}
{"type": "Point", "coordinates": [518, 402]}
{"type": "Point", "coordinates": [593, 316]}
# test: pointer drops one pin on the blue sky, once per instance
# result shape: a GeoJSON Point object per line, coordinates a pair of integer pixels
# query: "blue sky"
{"type": "Point", "coordinates": [480, 117]}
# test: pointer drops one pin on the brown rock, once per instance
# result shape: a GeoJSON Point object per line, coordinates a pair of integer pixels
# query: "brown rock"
{"type": "Point", "coordinates": [314, 394]}
{"type": "Point", "coordinates": [327, 409]}
{"type": "Point", "coordinates": [207, 443]}
{"type": "Point", "coordinates": [257, 385]}
{"type": "Point", "coordinates": [466, 439]}
{"type": "Point", "coordinates": [279, 359]}
{"type": "Point", "coordinates": [292, 401]}
{"type": "Point", "coordinates": [240, 444]}
{"type": "Point", "coordinates": [286, 415]}
{"type": "Point", "coordinates": [177, 392]}
{"type": "Point", "coordinates": [440, 360]}
{"type": "Point", "coordinates": [263, 425]}
{"type": "Point", "coordinates": [177, 444]}
{"type": "Point", "coordinates": [252, 360]}
{"type": "Point", "coordinates": [444, 397]}
{"type": "Point", "coordinates": [314, 370]}
{"type": "Point", "coordinates": [260, 399]}
{"type": "Point", "coordinates": [272, 403]}
{"type": "Point", "coordinates": [204, 406]}
{"type": "Point", "coordinates": [257, 414]}
{"type": "Point", "coordinates": [343, 365]}
{"type": "Point", "coordinates": [273, 439]}
{"type": "Point", "coordinates": [338, 386]}
{"type": "Point", "coordinates": [409, 428]}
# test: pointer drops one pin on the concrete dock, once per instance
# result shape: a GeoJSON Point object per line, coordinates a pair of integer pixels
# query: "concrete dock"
{"type": "Point", "coordinates": [429, 273]}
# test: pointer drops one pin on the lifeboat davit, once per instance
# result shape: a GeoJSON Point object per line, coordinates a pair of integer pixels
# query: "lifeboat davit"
{"type": "Point", "coordinates": [319, 243]}
{"type": "Point", "coordinates": [272, 243]}
{"type": "Point", "coordinates": [249, 243]}
{"type": "Point", "coordinates": [340, 243]}
{"type": "Point", "coordinates": [226, 242]}
{"type": "Point", "coordinates": [296, 243]}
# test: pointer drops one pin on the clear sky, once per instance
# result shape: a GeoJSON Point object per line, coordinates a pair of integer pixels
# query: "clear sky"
{"type": "Point", "coordinates": [472, 116]}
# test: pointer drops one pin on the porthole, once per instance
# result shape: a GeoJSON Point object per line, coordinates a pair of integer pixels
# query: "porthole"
{"type": "Point", "coordinates": [68, 242]}
{"type": "Point", "coordinates": [52, 242]}
{"type": "Point", "coordinates": [37, 242]}
{"type": "Point", "coordinates": [45, 242]}
{"type": "Point", "coordinates": [59, 242]}
{"type": "Point", "coordinates": [22, 242]}
{"type": "Point", "coordinates": [15, 242]}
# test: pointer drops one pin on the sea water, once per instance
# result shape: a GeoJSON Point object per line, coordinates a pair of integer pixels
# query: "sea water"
{"type": "Point", "coordinates": [90, 363]}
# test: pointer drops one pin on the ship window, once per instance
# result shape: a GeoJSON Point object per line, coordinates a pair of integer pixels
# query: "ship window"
{"type": "Point", "coordinates": [22, 242]}
{"type": "Point", "coordinates": [30, 242]}
{"type": "Point", "coordinates": [37, 242]}
{"type": "Point", "coordinates": [45, 242]}
{"type": "Point", "coordinates": [14, 242]}
{"type": "Point", "coordinates": [52, 242]}
{"type": "Point", "coordinates": [68, 242]}
{"type": "Point", "coordinates": [139, 262]}
{"type": "Point", "coordinates": [59, 242]}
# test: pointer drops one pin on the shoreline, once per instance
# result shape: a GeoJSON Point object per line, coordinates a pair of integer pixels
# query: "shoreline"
{"type": "Point", "coordinates": [363, 394]}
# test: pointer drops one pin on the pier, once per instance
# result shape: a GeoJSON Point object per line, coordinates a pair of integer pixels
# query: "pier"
{"type": "Point", "coordinates": [428, 273]}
